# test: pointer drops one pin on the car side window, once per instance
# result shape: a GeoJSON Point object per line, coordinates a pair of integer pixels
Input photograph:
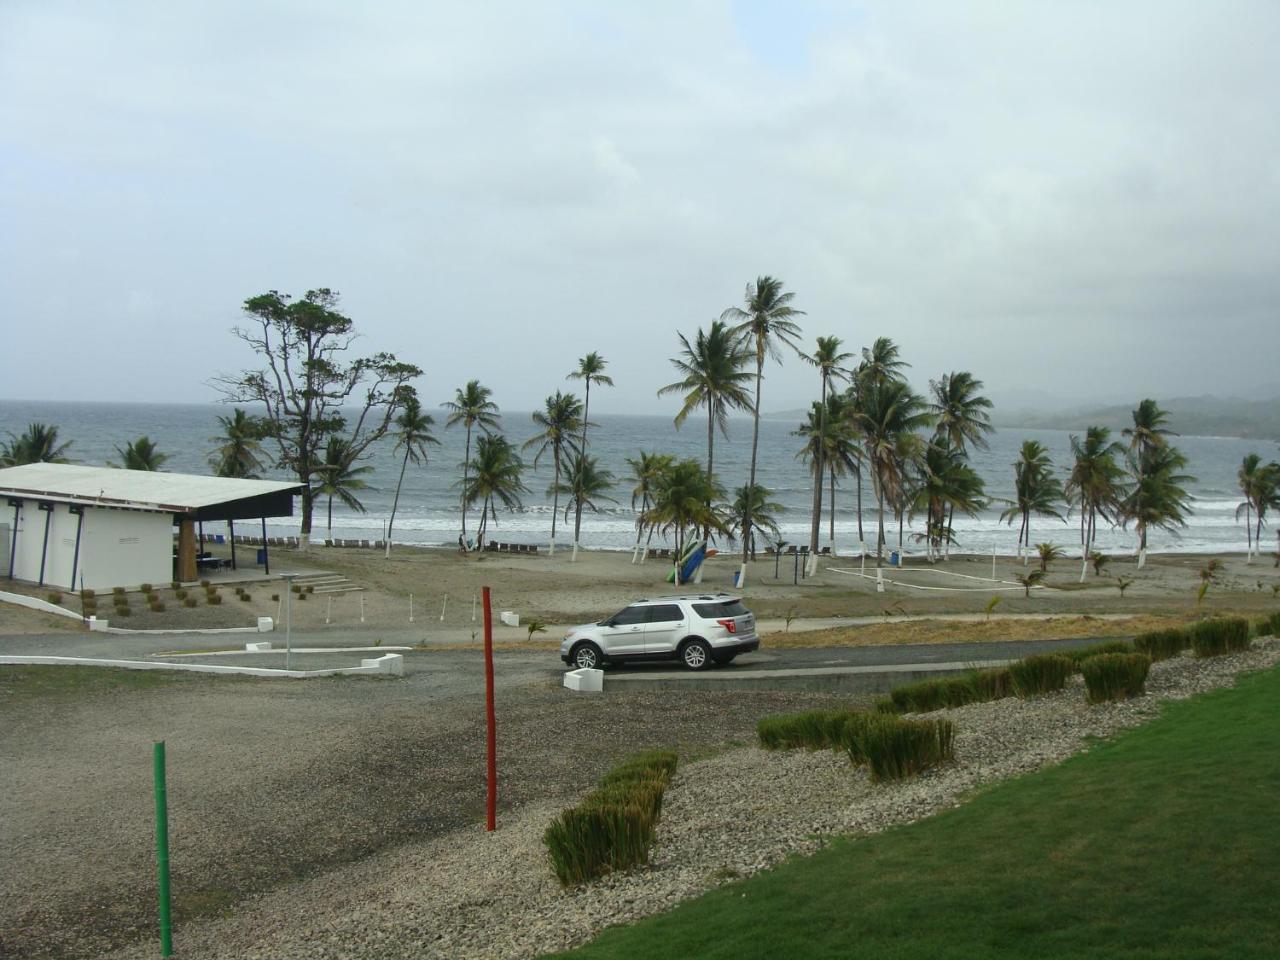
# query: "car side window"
{"type": "Point", "coordinates": [665, 613]}
{"type": "Point", "coordinates": [629, 616]}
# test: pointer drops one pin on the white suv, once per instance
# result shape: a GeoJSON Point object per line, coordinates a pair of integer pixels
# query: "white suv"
{"type": "Point", "coordinates": [697, 630]}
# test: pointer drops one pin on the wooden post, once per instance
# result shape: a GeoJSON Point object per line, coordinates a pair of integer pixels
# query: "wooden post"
{"type": "Point", "coordinates": [187, 550]}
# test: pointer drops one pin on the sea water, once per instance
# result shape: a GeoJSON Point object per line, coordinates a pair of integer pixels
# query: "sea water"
{"type": "Point", "coordinates": [429, 510]}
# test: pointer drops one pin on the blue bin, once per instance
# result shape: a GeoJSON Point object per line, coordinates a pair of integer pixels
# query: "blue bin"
{"type": "Point", "coordinates": [262, 557]}
{"type": "Point", "coordinates": [894, 559]}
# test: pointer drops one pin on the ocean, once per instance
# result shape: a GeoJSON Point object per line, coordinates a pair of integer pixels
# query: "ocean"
{"type": "Point", "coordinates": [429, 511]}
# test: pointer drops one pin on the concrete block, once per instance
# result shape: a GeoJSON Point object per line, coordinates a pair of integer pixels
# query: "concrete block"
{"type": "Point", "coordinates": [98, 626]}
{"type": "Point", "coordinates": [391, 663]}
{"type": "Point", "coordinates": [265, 625]}
{"type": "Point", "coordinates": [258, 647]}
{"type": "Point", "coordinates": [585, 681]}
{"type": "Point", "coordinates": [509, 618]}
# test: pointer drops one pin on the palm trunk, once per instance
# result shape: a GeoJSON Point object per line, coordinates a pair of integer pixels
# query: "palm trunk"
{"type": "Point", "coordinates": [1248, 532]}
{"type": "Point", "coordinates": [466, 477]}
{"type": "Point", "coordinates": [878, 483]}
{"type": "Point", "coordinates": [555, 501]}
{"type": "Point", "coordinates": [751, 482]}
{"type": "Point", "coordinates": [396, 501]}
{"type": "Point", "coordinates": [862, 540]}
{"type": "Point", "coordinates": [331, 517]}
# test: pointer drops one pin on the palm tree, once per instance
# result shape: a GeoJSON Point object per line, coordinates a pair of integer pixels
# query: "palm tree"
{"type": "Point", "coordinates": [1048, 553]}
{"type": "Point", "coordinates": [493, 477]}
{"type": "Point", "coordinates": [1147, 434]}
{"type": "Point", "coordinates": [683, 500]}
{"type": "Point", "coordinates": [762, 326]}
{"type": "Point", "coordinates": [1247, 476]}
{"type": "Point", "coordinates": [141, 454]}
{"type": "Point", "coordinates": [830, 452]}
{"type": "Point", "coordinates": [585, 484]}
{"type": "Point", "coordinates": [761, 509]}
{"type": "Point", "coordinates": [647, 471]}
{"type": "Point", "coordinates": [238, 454]}
{"type": "Point", "coordinates": [1036, 491]}
{"type": "Point", "coordinates": [340, 477]}
{"type": "Point", "coordinates": [1095, 484]}
{"type": "Point", "coordinates": [1260, 485]}
{"type": "Point", "coordinates": [887, 410]}
{"type": "Point", "coordinates": [712, 376]}
{"type": "Point", "coordinates": [1157, 497]}
{"type": "Point", "coordinates": [559, 422]}
{"type": "Point", "coordinates": [881, 363]}
{"type": "Point", "coordinates": [471, 407]}
{"type": "Point", "coordinates": [413, 435]}
{"type": "Point", "coordinates": [963, 420]}
{"type": "Point", "coordinates": [828, 359]}
{"type": "Point", "coordinates": [590, 370]}
{"type": "Point", "coordinates": [946, 482]}
{"type": "Point", "coordinates": [38, 444]}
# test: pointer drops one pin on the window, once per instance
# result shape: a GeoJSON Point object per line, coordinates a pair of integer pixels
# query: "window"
{"type": "Point", "coordinates": [629, 616]}
{"type": "Point", "coordinates": [665, 613]}
{"type": "Point", "coordinates": [714, 611]}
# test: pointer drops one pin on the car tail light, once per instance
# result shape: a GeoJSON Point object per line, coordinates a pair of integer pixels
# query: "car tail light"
{"type": "Point", "coordinates": [729, 624]}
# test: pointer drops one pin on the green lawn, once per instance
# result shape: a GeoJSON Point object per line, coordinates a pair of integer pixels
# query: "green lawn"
{"type": "Point", "coordinates": [1164, 843]}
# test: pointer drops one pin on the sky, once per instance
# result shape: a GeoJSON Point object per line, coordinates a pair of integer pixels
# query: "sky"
{"type": "Point", "coordinates": [1075, 201]}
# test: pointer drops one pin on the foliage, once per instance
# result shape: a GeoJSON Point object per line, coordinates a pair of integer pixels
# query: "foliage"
{"type": "Point", "coordinates": [1123, 583]}
{"type": "Point", "coordinates": [925, 696]}
{"type": "Point", "coordinates": [895, 748]}
{"type": "Point", "coordinates": [1115, 676]}
{"type": "Point", "coordinates": [587, 485]}
{"type": "Point", "coordinates": [683, 501]}
{"type": "Point", "coordinates": [306, 391]}
{"type": "Point", "coordinates": [761, 508]}
{"type": "Point", "coordinates": [1096, 483]}
{"type": "Point", "coordinates": [413, 436]}
{"type": "Point", "coordinates": [612, 829]}
{"type": "Point", "coordinates": [1048, 552]}
{"type": "Point", "coordinates": [1031, 578]}
{"type": "Point", "coordinates": [992, 604]}
{"type": "Point", "coordinates": [471, 407]}
{"type": "Point", "coordinates": [535, 625]}
{"type": "Point", "coordinates": [1080, 655]}
{"type": "Point", "coordinates": [1040, 674]}
{"type": "Point", "coordinates": [239, 450]}
{"type": "Point", "coordinates": [558, 424]}
{"type": "Point", "coordinates": [1036, 490]}
{"type": "Point", "coordinates": [1157, 496]}
{"type": "Point", "coordinates": [813, 729]}
{"type": "Point", "coordinates": [37, 444]}
{"type": "Point", "coordinates": [494, 477]}
{"type": "Point", "coordinates": [1212, 638]}
{"type": "Point", "coordinates": [141, 454]}
{"type": "Point", "coordinates": [340, 477]}
{"type": "Point", "coordinates": [1098, 561]}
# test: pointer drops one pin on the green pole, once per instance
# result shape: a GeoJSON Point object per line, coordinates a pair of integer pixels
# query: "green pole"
{"type": "Point", "coordinates": [162, 851]}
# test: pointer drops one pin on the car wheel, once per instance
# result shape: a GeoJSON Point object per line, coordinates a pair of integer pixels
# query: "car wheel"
{"type": "Point", "coordinates": [696, 655]}
{"type": "Point", "coordinates": [587, 656]}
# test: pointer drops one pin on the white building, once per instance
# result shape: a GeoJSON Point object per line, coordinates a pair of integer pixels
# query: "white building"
{"type": "Point", "coordinates": [72, 526]}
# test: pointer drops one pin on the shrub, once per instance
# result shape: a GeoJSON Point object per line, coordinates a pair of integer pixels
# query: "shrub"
{"type": "Point", "coordinates": [613, 827]}
{"type": "Point", "coordinates": [302, 596]}
{"type": "Point", "coordinates": [1212, 638]}
{"type": "Point", "coordinates": [206, 584]}
{"type": "Point", "coordinates": [1082, 654]}
{"type": "Point", "coordinates": [157, 606]}
{"type": "Point", "coordinates": [145, 588]}
{"type": "Point", "coordinates": [87, 595]}
{"type": "Point", "coordinates": [1267, 626]}
{"type": "Point", "coordinates": [310, 588]}
{"type": "Point", "coordinates": [89, 607]}
{"type": "Point", "coordinates": [123, 612]}
{"type": "Point", "coordinates": [174, 585]}
{"type": "Point", "coordinates": [213, 599]}
{"type": "Point", "coordinates": [188, 601]}
{"type": "Point", "coordinates": [180, 593]}
{"type": "Point", "coordinates": [296, 588]}
{"type": "Point", "coordinates": [1162, 644]}
{"type": "Point", "coordinates": [814, 729]}
{"type": "Point", "coordinates": [1115, 676]}
{"type": "Point", "coordinates": [275, 598]}
{"type": "Point", "coordinates": [895, 748]}
{"type": "Point", "coordinates": [1040, 674]}
{"type": "Point", "coordinates": [929, 695]}
{"type": "Point", "coordinates": [118, 591]}
{"type": "Point", "coordinates": [54, 598]}
{"type": "Point", "coordinates": [245, 597]}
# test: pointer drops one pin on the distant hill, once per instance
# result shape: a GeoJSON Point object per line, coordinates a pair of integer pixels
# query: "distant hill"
{"type": "Point", "coordinates": [1206, 416]}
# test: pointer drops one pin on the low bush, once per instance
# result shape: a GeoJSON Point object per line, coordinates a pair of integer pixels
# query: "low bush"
{"type": "Point", "coordinates": [1268, 626]}
{"type": "Point", "coordinates": [213, 599]}
{"type": "Point", "coordinates": [145, 588]}
{"type": "Point", "coordinates": [613, 827]}
{"type": "Point", "coordinates": [188, 601]}
{"type": "Point", "coordinates": [1212, 638]}
{"type": "Point", "coordinates": [814, 730]}
{"type": "Point", "coordinates": [296, 588]}
{"type": "Point", "coordinates": [206, 584]}
{"type": "Point", "coordinates": [118, 591]}
{"type": "Point", "coordinates": [157, 606]}
{"type": "Point", "coordinates": [1082, 654]}
{"type": "Point", "coordinates": [174, 585]}
{"type": "Point", "coordinates": [123, 612]}
{"type": "Point", "coordinates": [302, 596]}
{"type": "Point", "coordinates": [180, 593]}
{"type": "Point", "coordinates": [894, 748]}
{"type": "Point", "coordinates": [310, 588]}
{"type": "Point", "coordinates": [275, 598]}
{"type": "Point", "coordinates": [54, 598]}
{"type": "Point", "coordinates": [1115, 676]}
{"type": "Point", "coordinates": [245, 597]}
{"type": "Point", "coordinates": [87, 594]}
{"type": "Point", "coordinates": [1162, 644]}
{"type": "Point", "coordinates": [929, 695]}
{"type": "Point", "coordinates": [1040, 674]}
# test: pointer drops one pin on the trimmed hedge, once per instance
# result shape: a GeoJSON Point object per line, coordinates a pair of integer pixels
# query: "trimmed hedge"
{"type": "Point", "coordinates": [1213, 638]}
{"type": "Point", "coordinates": [814, 729]}
{"type": "Point", "coordinates": [1041, 674]}
{"type": "Point", "coordinates": [613, 827]}
{"type": "Point", "coordinates": [1115, 676]}
{"type": "Point", "coordinates": [929, 695]}
{"type": "Point", "coordinates": [1162, 644]}
{"type": "Point", "coordinates": [895, 748]}
{"type": "Point", "coordinates": [1079, 656]}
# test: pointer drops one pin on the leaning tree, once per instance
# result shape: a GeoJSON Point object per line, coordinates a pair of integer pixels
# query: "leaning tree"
{"type": "Point", "coordinates": [309, 390]}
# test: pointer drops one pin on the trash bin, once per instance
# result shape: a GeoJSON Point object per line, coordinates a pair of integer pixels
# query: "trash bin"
{"type": "Point", "coordinates": [262, 557]}
{"type": "Point", "coordinates": [894, 559]}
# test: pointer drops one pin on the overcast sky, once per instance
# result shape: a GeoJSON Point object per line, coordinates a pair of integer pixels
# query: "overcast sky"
{"type": "Point", "coordinates": [1078, 198]}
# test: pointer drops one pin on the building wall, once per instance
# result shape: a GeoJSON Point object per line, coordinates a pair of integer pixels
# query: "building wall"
{"type": "Point", "coordinates": [118, 548]}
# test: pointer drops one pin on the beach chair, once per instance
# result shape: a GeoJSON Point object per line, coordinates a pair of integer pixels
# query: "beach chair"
{"type": "Point", "coordinates": [825, 552]}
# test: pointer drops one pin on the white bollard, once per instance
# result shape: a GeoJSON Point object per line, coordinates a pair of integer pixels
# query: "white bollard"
{"type": "Point", "coordinates": [445, 606]}
{"type": "Point", "coordinates": [328, 610]}
{"type": "Point", "coordinates": [362, 608]}
{"type": "Point", "coordinates": [411, 608]}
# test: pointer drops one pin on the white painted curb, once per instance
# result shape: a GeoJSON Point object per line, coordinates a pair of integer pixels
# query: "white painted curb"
{"type": "Point", "coordinates": [391, 665]}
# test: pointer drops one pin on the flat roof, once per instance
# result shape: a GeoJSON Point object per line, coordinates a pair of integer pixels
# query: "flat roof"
{"type": "Point", "coordinates": [185, 493]}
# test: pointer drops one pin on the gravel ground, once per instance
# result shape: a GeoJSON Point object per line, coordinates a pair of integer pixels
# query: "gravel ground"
{"type": "Point", "coordinates": [729, 814]}
{"type": "Point", "coordinates": [276, 781]}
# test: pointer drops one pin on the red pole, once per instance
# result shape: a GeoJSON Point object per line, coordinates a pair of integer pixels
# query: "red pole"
{"type": "Point", "coordinates": [488, 704]}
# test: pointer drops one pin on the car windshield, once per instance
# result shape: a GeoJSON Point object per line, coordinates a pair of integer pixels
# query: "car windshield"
{"type": "Point", "coordinates": [627, 615]}
{"type": "Point", "coordinates": [714, 611]}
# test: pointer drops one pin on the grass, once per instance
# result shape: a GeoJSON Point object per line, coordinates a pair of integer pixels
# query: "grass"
{"type": "Point", "coordinates": [943, 630]}
{"type": "Point", "coordinates": [1162, 644]}
{"type": "Point", "coordinates": [1213, 638]}
{"type": "Point", "coordinates": [1160, 843]}
{"type": "Point", "coordinates": [20, 684]}
{"type": "Point", "coordinates": [1115, 676]}
{"type": "Point", "coordinates": [1040, 674]}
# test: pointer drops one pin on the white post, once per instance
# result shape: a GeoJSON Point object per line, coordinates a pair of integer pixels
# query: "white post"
{"type": "Point", "coordinates": [473, 607]}
{"type": "Point", "coordinates": [574, 557]}
{"type": "Point", "coordinates": [443, 607]}
{"type": "Point", "coordinates": [362, 606]}
{"type": "Point", "coordinates": [411, 608]}
{"type": "Point", "coordinates": [288, 618]}
{"type": "Point", "coordinates": [386, 537]}
{"type": "Point", "coordinates": [993, 563]}
{"type": "Point", "coordinates": [879, 580]}
{"type": "Point", "coordinates": [742, 576]}
{"type": "Point", "coordinates": [551, 548]}
{"type": "Point", "coordinates": [328, 610]}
